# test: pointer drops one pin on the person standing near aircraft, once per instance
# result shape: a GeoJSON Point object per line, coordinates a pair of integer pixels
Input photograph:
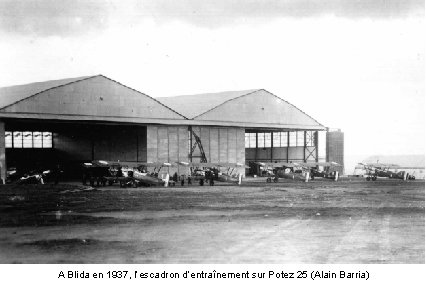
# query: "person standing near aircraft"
{"type": "Point", "coordinates": [211, 178]}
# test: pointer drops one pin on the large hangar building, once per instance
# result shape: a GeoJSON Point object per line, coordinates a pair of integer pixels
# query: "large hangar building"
{"type": "Point", "coordinates": [71, 121]}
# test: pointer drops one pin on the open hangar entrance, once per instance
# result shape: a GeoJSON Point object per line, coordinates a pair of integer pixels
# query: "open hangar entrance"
{"type": "Point", "coordinates": [281, 145]}
{"type": "Point", "coordinates": [40, 145]}
{"type": "Point", "coordinates": [268, 128]}
{"type": "Point", "coordinates": [81, 119]}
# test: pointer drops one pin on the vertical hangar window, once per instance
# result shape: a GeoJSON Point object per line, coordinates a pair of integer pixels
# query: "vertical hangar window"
{"type": "Point", "coordinates": [261, 140]}
{"type": "Point", "coordinates": [28, 139]}
{"type": "Point", "coordinates": [250, 139]}
{"type": "Point", "coordinates": [297, 138]}
{"type": "Point", "coordinates": [280, 139]}
{"type": "Point", "coordinates": [284, 139]}
{"type": "Point", "coordinates": [264, 140]}
{"type": "Point", "coordinates": [47, 140]}
{"type": "Point", "coordinates": [8, 139]}
{"type": "Point", "coordinates": [268, 140]}
{"type": "Point", "coordinates": [300, 138]}
{"type": "Point", "coordinates": [292, 139]}
{"type": "Point", "coordinates": [37, 140]}
{"type": "Point", "coordinates": [276, 138]}
{"type": "Point", "coordinates": [17, 139]}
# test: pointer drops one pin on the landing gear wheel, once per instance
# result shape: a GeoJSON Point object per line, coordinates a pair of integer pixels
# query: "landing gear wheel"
{"type": "Point", "coordinates": [268, 180]}
{"type": "Point", "coordinates": [368, 178]}
{"type": "Point", "coordinates": [374, 178]}
{"type": "Point", "coordinates": [275, 179]}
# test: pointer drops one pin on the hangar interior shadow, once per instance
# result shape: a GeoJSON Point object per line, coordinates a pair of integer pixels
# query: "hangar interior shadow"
{"type": "Point", "coordinates": [76, 143]}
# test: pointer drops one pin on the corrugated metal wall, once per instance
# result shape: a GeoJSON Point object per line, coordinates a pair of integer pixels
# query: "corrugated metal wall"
{"type": "Point", "coordinates": [171, 144]}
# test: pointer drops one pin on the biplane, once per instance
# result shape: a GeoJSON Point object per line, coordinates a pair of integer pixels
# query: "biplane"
{"type": "Point", "coordinates": [375, 170]}
{"type": "Point", "coordinates": [126, 174]}
{"type": "Point", "coordinates": [210, 172]}
{"type": "Point", "coordinates": [146, 177]}
{"type": "Point", "coordinates": [97, 171]}
{"type": "Point", "coordinates": [298, 171]}
{"type": "Point", "coordinates": [322, 170]}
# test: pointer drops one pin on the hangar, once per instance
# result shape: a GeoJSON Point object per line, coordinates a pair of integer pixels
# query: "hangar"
{"type": "Point", "coordinates": [75, 120]}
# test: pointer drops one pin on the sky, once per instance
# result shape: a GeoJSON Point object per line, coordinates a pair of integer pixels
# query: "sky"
{"type": "Point", "coordinates": [355, 65]}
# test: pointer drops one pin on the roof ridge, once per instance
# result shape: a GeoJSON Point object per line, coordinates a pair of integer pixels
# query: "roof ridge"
{"type": "Point", "coordinates": [139, 92]}
{"type": "Point", "coordinates": [78, 79]}
{"type": "Point", "coordinates": [211, 93]}
{"type": "Point", "coordinates": [52, 80]}
{"type": "Point", "coordinates": [249, 93]}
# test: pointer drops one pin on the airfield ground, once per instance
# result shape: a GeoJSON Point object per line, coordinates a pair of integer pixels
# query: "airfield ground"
{"type": "Point", "coordinates": [288, 222]}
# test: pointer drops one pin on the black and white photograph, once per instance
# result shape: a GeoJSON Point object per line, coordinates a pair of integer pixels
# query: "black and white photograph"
{"type": "Point", "coordinates": [212, 132]}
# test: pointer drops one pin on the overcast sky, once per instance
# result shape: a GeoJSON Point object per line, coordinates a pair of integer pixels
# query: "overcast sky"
{"type": "Point", "coordinates": [354, 65]}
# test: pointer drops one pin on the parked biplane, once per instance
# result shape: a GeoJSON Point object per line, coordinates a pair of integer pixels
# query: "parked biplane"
{"type": "Point", "coordinates": [210, 172]}
{"type": "Point", "coordinates": [375, 170]}
{"type": "Point", "coordinates": [96, 172]}
{"type": "Point", "coordinates": [322, 170]}
{"type": "Point", "coordinates": [298, 171]}
{"type": "Point", "coordinates": [146, 177]}
{"type": "Point", "coordinates": [126, 174]}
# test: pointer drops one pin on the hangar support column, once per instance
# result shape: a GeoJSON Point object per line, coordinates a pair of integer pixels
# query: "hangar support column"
{"type": "Point", "coordinates": [2, 154]}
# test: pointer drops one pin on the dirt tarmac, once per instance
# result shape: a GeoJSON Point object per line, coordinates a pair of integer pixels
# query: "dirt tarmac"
{"type": "Point", "coordinates": [288, 222]}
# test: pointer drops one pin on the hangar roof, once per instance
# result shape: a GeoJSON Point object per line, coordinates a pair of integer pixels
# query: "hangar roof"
{"type": "Point", "coordinates": [256, 108]}
{"type": "Point", "coordinates": [193, 105]}
{"type": "Point", "coordinates": [98, 98]}
{"type": "Point", "coordinates": [95, 98]}
{"type": "Point", "coordinates": [13, 94]}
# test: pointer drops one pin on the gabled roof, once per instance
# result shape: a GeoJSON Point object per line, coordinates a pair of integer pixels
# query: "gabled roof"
{"type": "Point", "coordinates": [103, 99]}
{"type": "Point", "coordinates": [84, 98]}
{"type": "Point", "coordinates": [255, 108]}
{"type": "Point", "coordinates": [14, 94]}
{"type": "Point", "coordinates": [192, 106]}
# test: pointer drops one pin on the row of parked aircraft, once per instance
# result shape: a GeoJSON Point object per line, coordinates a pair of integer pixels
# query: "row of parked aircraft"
{"type": "Point", "coordinates": [299, 171]}
{"type": "Point", "coordinates": [103, 172]}
{"type": "Point", "coordinates": [134, 174]}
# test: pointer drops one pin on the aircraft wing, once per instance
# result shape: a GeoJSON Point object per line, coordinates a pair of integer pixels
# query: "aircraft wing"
{"type": "Point", "coordinates": [240, 165]}
{"type": "Point", "coordinates": [282, 164]}
{"type": "Point", "coordinates": [319, 164]}
{"type": "Point", "coordinates": [197, 165]}
{"type": "Point", "coordinates": [155, 165]}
